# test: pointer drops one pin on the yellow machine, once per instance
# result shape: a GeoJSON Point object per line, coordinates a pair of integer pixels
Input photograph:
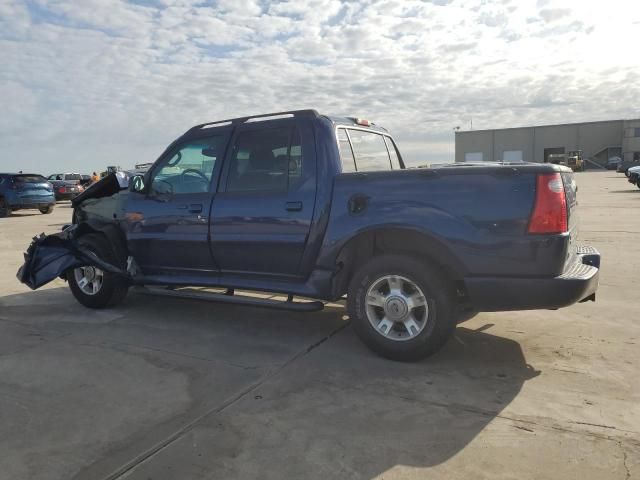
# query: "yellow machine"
{"type": "Point", "coordinates": [575, 161]}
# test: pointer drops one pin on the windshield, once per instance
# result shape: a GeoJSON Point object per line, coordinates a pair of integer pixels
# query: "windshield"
{"type": "Point", "coordinates": [72, 176]}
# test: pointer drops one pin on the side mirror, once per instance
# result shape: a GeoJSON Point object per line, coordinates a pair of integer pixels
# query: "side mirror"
{"type": "Point", "coordinates": [136, 184]}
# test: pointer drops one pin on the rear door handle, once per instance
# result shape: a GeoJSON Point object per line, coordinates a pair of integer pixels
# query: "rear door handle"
{"type": "Point", "coordinates": [195, 208]}
{"type": "Point", "coordinates": [294, 206]}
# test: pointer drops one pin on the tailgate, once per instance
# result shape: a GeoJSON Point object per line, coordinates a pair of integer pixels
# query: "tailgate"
{"type": "Point", "coordinates": [570, 191]}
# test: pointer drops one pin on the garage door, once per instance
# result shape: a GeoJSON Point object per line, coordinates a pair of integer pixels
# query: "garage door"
{"type": "Point", "coordinates": [512, 156]}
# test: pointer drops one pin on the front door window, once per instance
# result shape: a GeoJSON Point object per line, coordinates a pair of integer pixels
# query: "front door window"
{"type": "Point", "coordinates": [189, 169]}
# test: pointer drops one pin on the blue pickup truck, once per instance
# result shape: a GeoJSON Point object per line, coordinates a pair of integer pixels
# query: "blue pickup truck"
{"type": "Point", "coordinates": [321, 207]}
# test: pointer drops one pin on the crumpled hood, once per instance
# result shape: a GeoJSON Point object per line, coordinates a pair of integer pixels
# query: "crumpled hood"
{"type": "Point", "coordinates": [112, 183]}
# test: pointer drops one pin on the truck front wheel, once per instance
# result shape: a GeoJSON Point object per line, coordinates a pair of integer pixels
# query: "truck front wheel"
{"type": "Point", "coordinates": [93, 287]}
{"type": "Point", "coordinates": [5, 210]}
{"type": "Point", "coordinates": [401, 308]}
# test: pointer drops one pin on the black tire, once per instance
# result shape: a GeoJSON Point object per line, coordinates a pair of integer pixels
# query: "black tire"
{"type": "Point", "coordinates": [440, 322]}
{"type": "Point", "coordinates": [5, 211]}
{"type": "Point", "coordinates": [46, 210]}
{"type": "Point", "coordinates": [113, 289]}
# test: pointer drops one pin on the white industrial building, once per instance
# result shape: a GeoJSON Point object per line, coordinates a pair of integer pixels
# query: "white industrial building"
{"type": "Point", "coordinates": [599, 141]}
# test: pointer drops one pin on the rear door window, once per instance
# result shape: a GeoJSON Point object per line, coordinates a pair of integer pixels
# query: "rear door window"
{"type": "Point", "coordinates": [266, 160]}
{"type": "Point", "coordinates": [370, 151]}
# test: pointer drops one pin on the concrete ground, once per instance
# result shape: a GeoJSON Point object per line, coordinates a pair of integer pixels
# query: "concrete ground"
{"type": "Point", "coordinates": [175, 389]}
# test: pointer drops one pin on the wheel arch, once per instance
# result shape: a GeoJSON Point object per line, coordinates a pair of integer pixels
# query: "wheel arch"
{"type": "Point", "coordinates": [112, 234]}
{"type": "Point", "coordinates": [394, 240]}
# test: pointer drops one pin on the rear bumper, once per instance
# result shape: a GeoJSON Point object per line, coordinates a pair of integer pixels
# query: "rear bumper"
{"type": "Point", "coordinates": [32, 202]}
{"type": "Point", "coordinates": [30, 206]}
{"type": "Point", "coordinates": [67, 196]}
{"type": "Point", "coordinates": [577, 284]}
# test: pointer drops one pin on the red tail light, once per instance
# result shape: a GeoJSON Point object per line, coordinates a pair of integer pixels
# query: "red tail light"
{"type": "Point", "coordinates": [550, 210]}
{"type": "Point", "coordinates": [63, 189]}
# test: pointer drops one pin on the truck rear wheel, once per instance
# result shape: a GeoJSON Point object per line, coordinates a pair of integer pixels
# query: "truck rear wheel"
{"type": "Point", "coordinates": [93, 287]}
{"type": "Point", "coordinates": [400, 308]}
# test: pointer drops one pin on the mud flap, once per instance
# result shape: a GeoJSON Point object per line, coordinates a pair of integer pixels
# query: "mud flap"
{"type": "Point", "coordinates": [51, 256]}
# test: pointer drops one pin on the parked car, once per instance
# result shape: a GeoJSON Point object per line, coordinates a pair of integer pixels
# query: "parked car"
{"type": "Point", "coordinates": [613, 163]}
{"type": "Point", "coordinates": [634, 176]}
{"type": "Point", "coordinates": [309, 205]}
{"type": "Point", "coordinates": [66, 185]}
{"type": "Point", "coordinates": [557, 158]}
{"type": "Point", "coordinates": [21, 191]}
{"type": "Point", "coordinates": [85, 180]}
{"type": "Point", "coordinates": [625, 165]}
{"type": "Point", "coordinates": [69, 177]}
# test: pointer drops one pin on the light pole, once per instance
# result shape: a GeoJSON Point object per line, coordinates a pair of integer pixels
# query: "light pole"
{"type": "Point", "coordinates": [455, 130]}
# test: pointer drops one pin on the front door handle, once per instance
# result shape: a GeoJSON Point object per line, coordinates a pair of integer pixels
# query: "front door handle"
{"type": "Point", "coordinates": [195, 208]}
{"type": "Point", "coordinates": [294, 206]}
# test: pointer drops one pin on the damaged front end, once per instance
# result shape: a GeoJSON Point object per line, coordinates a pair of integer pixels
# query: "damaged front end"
{"type": "Point", "coordinates": [52, 256]}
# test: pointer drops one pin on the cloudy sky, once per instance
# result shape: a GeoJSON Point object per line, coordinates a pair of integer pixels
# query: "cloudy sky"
{"type": "Point", "coordinates": [90, 83]}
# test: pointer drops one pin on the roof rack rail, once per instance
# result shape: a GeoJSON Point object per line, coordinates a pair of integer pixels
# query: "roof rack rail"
{"type": "Point", "coordinates": [240, 120]}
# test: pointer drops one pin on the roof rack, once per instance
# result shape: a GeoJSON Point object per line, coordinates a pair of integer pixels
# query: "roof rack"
{"type": "Point", "coordinates": [240, 120]}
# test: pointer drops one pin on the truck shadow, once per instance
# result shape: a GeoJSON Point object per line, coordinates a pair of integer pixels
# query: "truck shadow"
{"type": "Point", "coordinates": [329, 394]}
{"type": "Point", "coordinates": [374, 414]}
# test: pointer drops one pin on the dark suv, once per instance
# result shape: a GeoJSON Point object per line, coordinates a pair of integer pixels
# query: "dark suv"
{"type": "Point", "coordinates": [20, 191]}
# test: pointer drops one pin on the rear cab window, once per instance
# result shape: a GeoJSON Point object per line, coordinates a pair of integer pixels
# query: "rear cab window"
{"type": "Point", "coordinates": [29, 179]}
{"type": "Point", "coordinates": [366, 151]}
{"type": "Point", "coordinates": [346, 153]}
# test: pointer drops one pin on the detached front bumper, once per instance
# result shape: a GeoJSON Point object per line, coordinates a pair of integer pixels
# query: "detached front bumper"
{"type": "Point", "coordinates": [51, 256]}
{"type": "Point", "coordinates": [577, 284]}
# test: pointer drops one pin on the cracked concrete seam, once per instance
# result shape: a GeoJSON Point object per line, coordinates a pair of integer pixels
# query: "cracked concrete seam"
{"type": "Point", "coordinates": [156, 449]}
{"type": "Point", "coordinates": [624, 460]}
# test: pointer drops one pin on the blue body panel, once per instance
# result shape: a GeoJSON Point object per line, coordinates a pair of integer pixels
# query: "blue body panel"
{"type": "Point", "coordinates": [479, 218]}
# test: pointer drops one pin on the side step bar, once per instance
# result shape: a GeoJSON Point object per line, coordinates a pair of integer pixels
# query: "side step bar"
{"type": "Point", "coordinates": [231, 297]}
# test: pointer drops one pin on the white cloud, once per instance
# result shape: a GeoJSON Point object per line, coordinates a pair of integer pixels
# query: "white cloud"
{"type": "Point", "coordinates": [95, 83]}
